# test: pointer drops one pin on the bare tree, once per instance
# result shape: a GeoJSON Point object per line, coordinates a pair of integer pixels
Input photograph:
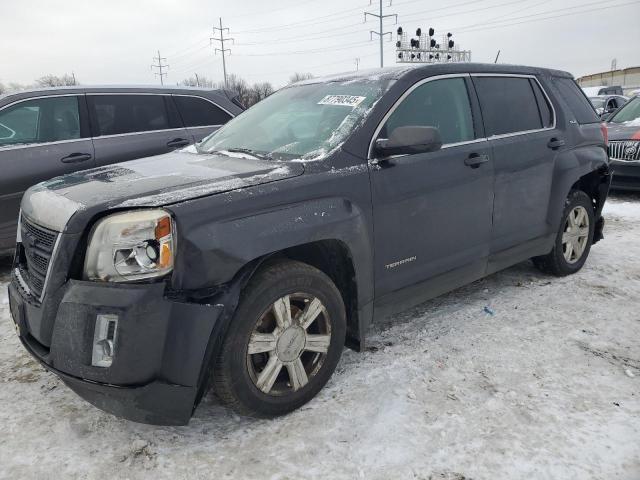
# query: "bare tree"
{"type": "Point", "coordinates": [264, 89]}
{"type": "Point", "coordinates": [65, 80]}
{"type": "Point", "coordinates": [258, 92]}
{"type": "Point", "coordinates": [197, 81]}
{"type": "Point", "coordinates": [296, 77]}
{"type": "Point", "coordinates": [247, 94]}
{"type": "Point", "coordinates": [16, 87]}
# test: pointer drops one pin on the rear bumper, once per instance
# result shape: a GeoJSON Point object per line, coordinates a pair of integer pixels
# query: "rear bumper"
{"type": "Point", "coordinates": [626, 175]}
{"type": "Point", "coordinates": [160, 347]}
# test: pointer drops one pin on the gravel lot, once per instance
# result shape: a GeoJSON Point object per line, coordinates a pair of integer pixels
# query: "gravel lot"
{"type": "Point", "coordinates": [543, 383]}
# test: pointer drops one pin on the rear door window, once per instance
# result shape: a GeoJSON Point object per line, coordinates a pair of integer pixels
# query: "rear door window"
{"type": "Point", "coordinates": [198, 112]}
{"type": "Point", "coordinates": [119, 114]}
{"type": "Point", "coordinates": [546, 113]}
{"type": "Point", "coordinates": [508, 105]}
{"type": "Point", "coordinates": [40, 120]}
{"type": "Point", "coordinates": [576, 100]}
{"type": "Point", "coordinates": [443, 104]}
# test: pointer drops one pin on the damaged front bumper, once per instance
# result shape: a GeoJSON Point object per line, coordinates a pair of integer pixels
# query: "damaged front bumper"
{"type": "Point", "coordinates": [160, 346]}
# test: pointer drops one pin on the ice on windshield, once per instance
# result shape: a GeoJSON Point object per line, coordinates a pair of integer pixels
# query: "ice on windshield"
{"type": "Point", "coordinates": [302, 122]}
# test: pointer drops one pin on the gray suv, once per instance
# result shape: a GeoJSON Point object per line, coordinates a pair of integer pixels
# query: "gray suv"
{"type": "Point", "coordinates": [46, 133]}
{"type": "Point", "coordinates": [246, 265]}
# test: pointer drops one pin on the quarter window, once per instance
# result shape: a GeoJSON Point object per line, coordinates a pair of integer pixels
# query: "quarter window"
{"type": "Point", "coordinates": [40, 120]}
{"type": "Point", "coordinates": [443, 104]}
{"type": "Point", "coordinates": [508, 105]}
{"type": "Point", "coordinates": [197, 112]}
{"type": "Point", "coordinates": [575, 98]}
{"type": "Point", "coordinates": [118, 114]}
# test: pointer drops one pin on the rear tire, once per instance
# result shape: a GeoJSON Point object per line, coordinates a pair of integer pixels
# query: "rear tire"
{"type": "Point", "coordinates": [284, 341]}
{"type": "Point", "coordinates": [574, 238]}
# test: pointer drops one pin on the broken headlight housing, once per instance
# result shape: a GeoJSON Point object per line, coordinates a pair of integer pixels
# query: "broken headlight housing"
{"type": "Point", "coordinates": [131, 246]}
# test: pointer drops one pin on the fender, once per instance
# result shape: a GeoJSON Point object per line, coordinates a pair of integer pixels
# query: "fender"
{"type": "Point", "coordinates": [211, 251]}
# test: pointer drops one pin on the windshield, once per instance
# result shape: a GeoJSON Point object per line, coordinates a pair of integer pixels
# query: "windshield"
{"type": "Point", "coordinates": [629, 113]}
{"type": "Point", "coordinates": [597, 102]}
{"type": "Point", "coordinates": [302, 122]}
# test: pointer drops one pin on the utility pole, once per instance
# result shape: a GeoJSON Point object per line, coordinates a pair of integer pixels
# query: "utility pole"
{"type": "Point", "coordinates": [380, 32]}
{"type": "Point", "coordinates": [160, 66]}
{"type": "Point", "coordinates": [221, 49]}
{"type": "Point", "coordinates": [197, 80]}
{"type": "Point", "coordinates": [357, 64]}
{"type": "Point", "coordinates": [497, 57]}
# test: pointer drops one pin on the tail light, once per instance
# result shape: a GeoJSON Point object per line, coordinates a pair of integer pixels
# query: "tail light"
{"type": "Point", "coordinates": [605, 134]}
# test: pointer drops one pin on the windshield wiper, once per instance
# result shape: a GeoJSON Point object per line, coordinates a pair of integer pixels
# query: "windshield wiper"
{"type": "Point", "coordinates": [248, 151]}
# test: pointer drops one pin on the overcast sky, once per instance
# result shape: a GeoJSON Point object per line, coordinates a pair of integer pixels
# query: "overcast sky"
{"type": "Point", "coordinates": [114, 41]}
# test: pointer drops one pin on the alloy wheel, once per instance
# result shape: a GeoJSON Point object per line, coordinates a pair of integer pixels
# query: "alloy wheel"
{"type": "Point", "coordinates": [576, 234]}
{"type": "Point", "coordinates": [289, 344]}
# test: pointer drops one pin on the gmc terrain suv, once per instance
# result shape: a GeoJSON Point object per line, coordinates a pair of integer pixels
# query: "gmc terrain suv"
{"type": "Point", "coordinates": [54, 131]}
{"type": "Point", "coordinates": [248, 263]}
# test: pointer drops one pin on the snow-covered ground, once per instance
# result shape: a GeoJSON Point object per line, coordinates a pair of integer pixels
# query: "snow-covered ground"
{"type": "Point", "coordinates": [543, 383]}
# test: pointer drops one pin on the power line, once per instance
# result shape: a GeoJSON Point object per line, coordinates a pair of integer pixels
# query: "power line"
{"type": "Point", "coordinates": [529, 20]}
{"type": "Point", "coordinates": [221, 49]}
{"type": "Point", "coordinates": [342, 46]}
{"type": "Point", "coordinates": [304, 23]}
{"type": "Point", "coordinates": [159, 66]}
{"type": "Point", "coordinates": [381, 33]}
{"type": "Point", "coordinates": [262, 12]}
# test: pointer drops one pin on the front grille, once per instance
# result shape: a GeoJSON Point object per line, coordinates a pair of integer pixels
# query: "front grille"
{"type": "Point", "coordinates": [628, 150]}
{"type": "Point", "coordinates": [38, 244]}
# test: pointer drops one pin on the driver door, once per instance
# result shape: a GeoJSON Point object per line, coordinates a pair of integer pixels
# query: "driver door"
{"type": "Point", "coordinates": [432, 211]}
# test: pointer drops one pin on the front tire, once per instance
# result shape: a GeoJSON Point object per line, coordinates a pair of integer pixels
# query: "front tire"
{"type": "Point", "coordinates": [574, 239]}
{"type": "Point", "coordinates": [283, 343]}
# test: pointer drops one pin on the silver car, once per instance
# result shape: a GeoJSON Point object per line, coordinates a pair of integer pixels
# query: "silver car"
{"type": "Point", "coordinates": [51, 132]}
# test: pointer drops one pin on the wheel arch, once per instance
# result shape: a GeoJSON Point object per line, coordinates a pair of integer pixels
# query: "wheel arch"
{"type": "Point", "coordinates": [586, 169]}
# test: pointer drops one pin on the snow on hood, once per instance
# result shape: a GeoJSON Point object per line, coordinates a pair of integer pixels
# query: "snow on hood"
{"type": "Point", "coordinates": [624, 131]}
{"type": "Point", "coordinates": [160, 180]}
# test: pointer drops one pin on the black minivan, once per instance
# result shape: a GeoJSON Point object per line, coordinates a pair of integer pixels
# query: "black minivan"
{"type": "Point", "coordinates": [247, 265]}
{"type": "Point", "coordinates": [50, 132]}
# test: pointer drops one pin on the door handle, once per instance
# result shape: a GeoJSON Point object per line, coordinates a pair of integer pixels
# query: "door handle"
{"type": "Point", "coordinates": [475, 160]}
{"type": "Point", "coordinates": [178, 142]}
{"type": "Point", "coordinates": [76, 158]}
{"type": "Point", "coordinates": [555, 143]}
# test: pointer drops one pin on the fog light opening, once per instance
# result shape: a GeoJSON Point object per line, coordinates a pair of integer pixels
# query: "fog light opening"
{"type": "Point", "coordinates": [104, 338]}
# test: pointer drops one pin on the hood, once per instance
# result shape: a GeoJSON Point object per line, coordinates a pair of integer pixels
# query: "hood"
{"type": "Point", "coordinates": [624, 131]}
{"type": "Point", "coordinates": [148, 182]}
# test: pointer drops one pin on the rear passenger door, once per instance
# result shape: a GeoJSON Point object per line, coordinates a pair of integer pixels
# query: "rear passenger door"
{"type": "Point", "coordinates": [40, 138]}
{"type": "Point", "coordinates": [129, 126]}
{"type": "Point", "coordinates": [519, 122]}
{"type": "Point", "coordinates": [201, 116]}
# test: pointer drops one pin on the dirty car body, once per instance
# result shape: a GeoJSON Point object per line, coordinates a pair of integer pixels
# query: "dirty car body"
{"type": "Point", "coordinates": [390, 231]}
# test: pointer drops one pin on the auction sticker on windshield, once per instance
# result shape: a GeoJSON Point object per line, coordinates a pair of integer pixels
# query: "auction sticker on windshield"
{"type": "Point", "coordinates": [344, 100]}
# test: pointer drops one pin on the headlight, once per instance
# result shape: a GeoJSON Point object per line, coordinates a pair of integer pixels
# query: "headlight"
{"type": "Point", "coordinates": [131, 246]}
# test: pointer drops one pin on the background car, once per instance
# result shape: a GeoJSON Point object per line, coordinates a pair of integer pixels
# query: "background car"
{"type": "Point", "coordinates": [46, 133]}
{"type": "Point", "coordinates": [607, 104]}
{"type": "Point", "coordinates": [624, 146]}
{"type": "Point", "coordinates": [602, 90]}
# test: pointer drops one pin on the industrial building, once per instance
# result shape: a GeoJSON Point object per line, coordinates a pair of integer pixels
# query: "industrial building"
{"type": "Point", "coordinates": [628, 79]}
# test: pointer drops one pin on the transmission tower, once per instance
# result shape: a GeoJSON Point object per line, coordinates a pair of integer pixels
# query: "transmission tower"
{"type": "Point", "coordinates": [160, 66]}
{"type": "Point", "coordinates": [222, 50]}
{"type": "Point", "coordinates": [380, 16]}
